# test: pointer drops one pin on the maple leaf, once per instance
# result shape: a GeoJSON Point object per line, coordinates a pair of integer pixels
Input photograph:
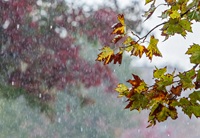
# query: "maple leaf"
{"type": "Point", "coordinates": [136, 82]}
{"type": "Point", "coordinates": [122, 90]}
{"type": "Point", "coordinates": [138, 86]}
{"type": "Point", "coordinates": [135, 48]}
{"type": "Point", "coordinates": [150, 12]}
{"type": "Point", "coordinates": [119, 29]}
{"type": "Point", "coordinates": [186, 79]}
{"type": "Point", "coordinates": [105, 55]}
{"type": "Point", "coordinates": [194, 51]}
{"type": "Point", "coordinates": [152, 48]}
{"type": "Point", "coordinates": [160, 113]}
{"type": "Point", "coordinates": [176, 90]}
{"type": "Point", "coordinates": [117, 57]}
{"type": "Point", "coordinates": [158, 73]}
{"type": "Point", "coordinates": [175, 14]}
{"type": "Point", "coordinates": [138, 102]}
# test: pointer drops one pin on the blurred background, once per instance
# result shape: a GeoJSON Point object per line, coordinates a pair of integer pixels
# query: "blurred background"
{"type": "Point", "coordinates": [50, 84]}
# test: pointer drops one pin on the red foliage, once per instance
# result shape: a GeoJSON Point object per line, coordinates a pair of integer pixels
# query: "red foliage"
{"type": "Point", "coordinates": [44, 58]}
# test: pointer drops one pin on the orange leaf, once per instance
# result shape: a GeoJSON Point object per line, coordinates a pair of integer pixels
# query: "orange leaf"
{"type": "Point", "coordinates": [136, 82]}
{"type": "Point", "coordinates": [176, 90]}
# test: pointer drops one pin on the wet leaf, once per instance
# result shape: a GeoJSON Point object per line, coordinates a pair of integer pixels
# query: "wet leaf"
{"type": "Point", "coordinates": [186, 79]}
{"type": "Point", "coordinates": [119, 28]}
{"type": "Point", "coordinates": [176, 90]}
{"type": "Point", "coordinates": [175, 14]}
{"type": "Point", "coordinates": [152, 48]}
{"type": "Point", "coordinates": [105, 55]}
{"type": "Point", "coordinates": [194, 51]}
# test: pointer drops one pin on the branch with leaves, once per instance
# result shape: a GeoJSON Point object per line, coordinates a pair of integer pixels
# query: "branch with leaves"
{"type": "Point", "coordinates": [165, 95]}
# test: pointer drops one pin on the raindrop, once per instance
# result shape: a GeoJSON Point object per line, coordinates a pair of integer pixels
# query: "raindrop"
{"type": "Point", "coordinates": [39, 2]}
{"type": "Point", "coordinates": [13, 83]}
{"type": "Point", "coordinates": [168, 135]}
{"type": "Point", "coordinates": [59, 120]}
{"type": "Point", "coordinates": [63, 33]}
{"type": "Point", "coordinates": [6, 24]}
{"type": "Point", "coordinates": [43, 13]}
{"type": "Point", "coordinates": [51, 27]}
{"type": "Point", "coordinates": [81, 129]}
{"type": "Point", "coordinates": [17, 26]}
{"type": "Point", "coordinates": [138, 130]}
{"type": "Point", "coordinates": [40, 95]}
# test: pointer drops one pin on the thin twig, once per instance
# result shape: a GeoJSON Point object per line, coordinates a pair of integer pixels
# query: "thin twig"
{"type": "Point", "coordinates": [144, 37]}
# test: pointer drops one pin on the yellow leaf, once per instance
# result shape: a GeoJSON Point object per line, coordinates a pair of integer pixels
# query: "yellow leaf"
{"type": "Point", "coordinates": [175, 14]}
{"type": "Point", "coordinates": [138, 50]}
{"type": "Point", "coordinates": [105, 55]}
{"type": "Point", "coordinates": [135, 48]}
{"type": "Point", "coordinates": [153, 49]}
{"type": "Point", "coordinates": [119, 28]}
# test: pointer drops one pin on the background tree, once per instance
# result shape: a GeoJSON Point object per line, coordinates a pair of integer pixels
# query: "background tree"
{"type": "Point", "coordinates": [43, 49]}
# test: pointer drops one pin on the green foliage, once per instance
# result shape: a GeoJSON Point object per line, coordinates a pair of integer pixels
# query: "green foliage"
{"type": "Point", "coordinates": [165, 95]}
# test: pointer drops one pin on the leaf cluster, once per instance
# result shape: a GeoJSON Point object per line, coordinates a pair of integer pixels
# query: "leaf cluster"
{"type": "Point", "coordinates": [166, 94]}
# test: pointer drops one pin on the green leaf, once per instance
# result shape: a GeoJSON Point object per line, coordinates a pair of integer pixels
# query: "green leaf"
{"type": "Point", "coordinates": [194, 97]}
{"type": "Point", "coordinates": [185, 103]}
{"type": "Point", "coordinates": [195, 110]}
{"type": "Point", "coordinates": [165, 80]}
{"type": "Point", "coordinates": [186, 79]}
{"type": "Point", "coordinates": [165, 113]}
{"type": "Point", "coordinates": [158, 73]}
{"type": "Point", "coordinates": [194, 51]}
{"type": "Point", "coordinates": [185, 24]}
{"type": "Point", "coordinates": [139, 101]}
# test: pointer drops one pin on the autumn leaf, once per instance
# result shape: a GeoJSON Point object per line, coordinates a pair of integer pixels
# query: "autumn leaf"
{"type": "Point", "coordinates": [176, 90]}
{"type": "Point", "coordinates": [136, 82]}
{"type": "Point", "coordinates": [150, 12]}
{"type": "Point", "coordinates": [117, 57]}
{"type": "Point", "coordinates": [138, 86]}
{"type": "Point", "coordinates": [194, 51]}
{"type": "Point", "coordinates": [152, 48]}
{"type": "Point", "coordinates": [160, 113]}
{"type": "Point", "coordinates": [170, 2]}
{"type": "Point", "coordinates": [135, 48]}
{"type": "Point", "coordinates": [105, 55]}
{"type": "Point", "coordinates": [175, 14]}
{"type": "Point", "coordinates": [119, 28]}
